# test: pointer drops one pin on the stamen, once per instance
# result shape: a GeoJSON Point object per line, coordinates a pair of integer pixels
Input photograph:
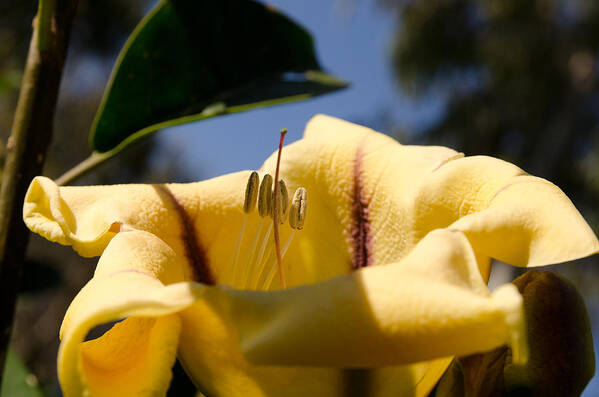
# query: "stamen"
{"type": "Point", "coordinates": [266, 249]}
{"type": "Point", "coordinates": [251, 194]}
{"type": "Point", "coordinates": [283, 202]}
{"type": "Point", "coordinates": [261, 263]}
{"type": "Point", "coordinates": [297, 213]}
{"type": "Point", "coordinates": [297, 217]}
{"type": "Point", "coordinates": [250, 257]}
{"type": "Point", "coordinates": [253, 262]}
{"type": "Point", "coordinates": [276, 203]}
{"type": "Point", "coordinates": [264, 208]}
{"type": "Point", "coordinates": [265, 197]}
{"type": "Point", "coordinates": [264, 258]}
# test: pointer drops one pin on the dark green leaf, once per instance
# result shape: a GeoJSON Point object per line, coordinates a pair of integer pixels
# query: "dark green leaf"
{"type": "Point", "coordinates": [17, 380]}
{"type": "Point", "coordinates": [193, 59]}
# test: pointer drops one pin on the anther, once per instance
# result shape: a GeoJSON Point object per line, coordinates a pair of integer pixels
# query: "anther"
{"type": "Point", "coordinates": [297, 213]}
{"type": "Point", "coordinates": [265, 196]}
{"type": "Point", "coordinates": [283, 205]}
{"type": "Point", "coordinates": [251, 192]}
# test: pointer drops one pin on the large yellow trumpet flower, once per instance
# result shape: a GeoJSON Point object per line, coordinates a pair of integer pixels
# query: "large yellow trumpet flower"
{"type": "Point", "coordinates": [385, 260]}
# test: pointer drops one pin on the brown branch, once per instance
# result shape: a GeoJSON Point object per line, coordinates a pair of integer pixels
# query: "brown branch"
{"type": "Point", "coordinates": [26, 150]}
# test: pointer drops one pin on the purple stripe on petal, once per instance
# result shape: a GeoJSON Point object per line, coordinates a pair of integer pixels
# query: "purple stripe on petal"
{"type": "Point", "coordinates": [193, 250]}
{"type": "Point", "coordinates": [360, 231]}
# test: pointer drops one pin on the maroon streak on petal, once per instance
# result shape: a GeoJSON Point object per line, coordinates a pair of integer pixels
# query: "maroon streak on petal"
{"type": "Point", "coordinates": [193, 250]}
{"type": "Point", "coordinates": [360, 230]}
{"type": "Point", "coordinates": [356, 382]}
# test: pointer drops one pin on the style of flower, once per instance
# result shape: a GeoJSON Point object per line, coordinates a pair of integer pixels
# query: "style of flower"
{"type": "Point", "coordinates": [386, 281]}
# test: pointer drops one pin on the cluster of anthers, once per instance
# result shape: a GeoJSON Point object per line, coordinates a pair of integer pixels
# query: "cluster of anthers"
{"type": "Point", "coordinates": [265, 255]}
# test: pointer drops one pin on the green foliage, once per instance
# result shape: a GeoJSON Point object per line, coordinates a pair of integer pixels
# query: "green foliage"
{"type": "Point", "coordinates": [520, 78]}
{"type": "Point", "coordinates": [190, 60]}
{"type": "Point", "coordinates": [17, 380]}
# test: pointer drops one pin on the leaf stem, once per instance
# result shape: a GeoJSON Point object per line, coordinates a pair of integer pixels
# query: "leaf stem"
{"type": "Point", "coordinates": [27, 145]}
{"type": "Point", "coordinates": [83, 167]}
{"type": "Point", "coordinates": [216, 109]}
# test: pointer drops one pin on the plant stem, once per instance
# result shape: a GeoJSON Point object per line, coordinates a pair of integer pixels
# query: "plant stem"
{"type": "Point", "coordinates": [26, 148]}
{"type": "Point", "coordinates": [82, 168]}
{"type": "Point", "coordinates": [44, 23]}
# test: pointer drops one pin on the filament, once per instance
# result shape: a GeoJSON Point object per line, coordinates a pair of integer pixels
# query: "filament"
{"type": "Point", "coordinates": [248, 261]}
{"type": "Point", "coordinates": [258, 259]}
{"type": "Point", "coordinates": [233, 267]}
{"type": "Point", "coordinates": [259, 256]}
{"type": "Point", "coordinates": [273, 268]}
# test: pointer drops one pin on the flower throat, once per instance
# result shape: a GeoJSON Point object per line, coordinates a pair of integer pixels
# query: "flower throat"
{"type": "Point", "coordinates": [265, 256]}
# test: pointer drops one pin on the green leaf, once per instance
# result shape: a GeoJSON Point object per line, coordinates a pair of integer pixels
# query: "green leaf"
{"type": "Point", "coordinates": [17, 380]}
{"type": "Point", "coordinates": [193, 59]}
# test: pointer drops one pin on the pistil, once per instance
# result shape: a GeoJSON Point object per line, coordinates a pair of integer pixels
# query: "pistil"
{"type": "Point", "coordinates": [277, 205]}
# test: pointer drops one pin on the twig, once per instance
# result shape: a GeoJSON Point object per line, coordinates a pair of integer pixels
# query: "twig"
{"type": "Point", "coordinates": [26, 148]}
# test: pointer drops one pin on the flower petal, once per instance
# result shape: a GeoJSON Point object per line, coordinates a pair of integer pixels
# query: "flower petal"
{"type": "Point", "coordinates": [88, 217]}
{"type": "Point", "coordinates": [135, 355]}
{"type": "Point", "coordinates": [505, 213]}
{"type": "Point", "coordinates": [371, 202]}
{"type": "Point", "coordinates": [359, 183]}
{"type": "Point", "coordinates": [432, 304]}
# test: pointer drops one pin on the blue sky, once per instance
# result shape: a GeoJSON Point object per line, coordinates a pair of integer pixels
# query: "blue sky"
{"type": "Point", "coordinates": [353, 41]}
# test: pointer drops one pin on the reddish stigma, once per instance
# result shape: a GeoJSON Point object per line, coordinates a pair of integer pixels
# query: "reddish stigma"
{"type": "Point", "coordinates": [276, 211]}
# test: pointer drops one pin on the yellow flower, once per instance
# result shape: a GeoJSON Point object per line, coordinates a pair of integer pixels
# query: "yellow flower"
{"type": "Point", "coordinates": [387, 277]}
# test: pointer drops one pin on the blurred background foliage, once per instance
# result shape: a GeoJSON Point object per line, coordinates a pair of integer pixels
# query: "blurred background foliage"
{"type": "Point", "coordinates": [521, 82]}
{"type": "Point", "coordinates": [520, 76]}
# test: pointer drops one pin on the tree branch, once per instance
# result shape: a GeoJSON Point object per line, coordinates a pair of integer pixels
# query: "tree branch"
{"type": "Point", "coordinates": [26, 148]}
